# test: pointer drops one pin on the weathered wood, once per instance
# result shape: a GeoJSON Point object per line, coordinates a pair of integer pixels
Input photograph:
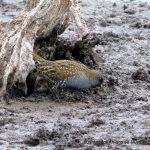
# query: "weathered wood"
{"type": "Point", "coordinates": [38, 20]}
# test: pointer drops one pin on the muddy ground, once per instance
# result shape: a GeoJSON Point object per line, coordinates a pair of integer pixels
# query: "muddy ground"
{"type": "Point", "coordinates": [116, 119]}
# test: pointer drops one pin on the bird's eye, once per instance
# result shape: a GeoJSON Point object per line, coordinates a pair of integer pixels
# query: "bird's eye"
{"type": "Point", "coordinates": [101, 80]}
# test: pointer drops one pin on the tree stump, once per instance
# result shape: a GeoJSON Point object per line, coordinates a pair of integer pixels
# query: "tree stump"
{"type": "Point", "coordinates": [38, 20]}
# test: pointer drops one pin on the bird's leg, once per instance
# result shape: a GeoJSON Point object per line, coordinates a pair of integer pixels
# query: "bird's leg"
{"type": "Point", "coordinates": [60, 92]}
{"type": "Point", "coordinates": [56, 91]}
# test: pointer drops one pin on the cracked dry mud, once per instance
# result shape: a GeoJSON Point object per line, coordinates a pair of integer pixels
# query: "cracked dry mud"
{"type": "Point", "coordinates": [118, 120]}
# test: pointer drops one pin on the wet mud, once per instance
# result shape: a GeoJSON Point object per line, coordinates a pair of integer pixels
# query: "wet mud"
{"type": "Point", "coordinates": [115, 118]}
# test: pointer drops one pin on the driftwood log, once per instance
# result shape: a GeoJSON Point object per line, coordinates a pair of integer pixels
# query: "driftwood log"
{"type": "Point", "coordinates": [17, 37]}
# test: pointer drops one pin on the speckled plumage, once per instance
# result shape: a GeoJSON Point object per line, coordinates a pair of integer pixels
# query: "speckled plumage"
{"type": "Point", "coordinates": [68, 73]}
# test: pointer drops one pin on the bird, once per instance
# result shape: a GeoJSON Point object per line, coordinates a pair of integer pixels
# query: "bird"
{"type": "Point", "coordinates": [67, 73]}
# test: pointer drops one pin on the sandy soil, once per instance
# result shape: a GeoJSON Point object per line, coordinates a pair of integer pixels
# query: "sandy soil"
{"type": "Point", "coordinates": [115, 120]}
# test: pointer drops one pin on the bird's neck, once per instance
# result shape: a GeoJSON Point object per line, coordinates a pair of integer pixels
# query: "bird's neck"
{"type": "Point", "coordinates": [39, 59]}
{"type": "Point", "coordinates": [94, 81]}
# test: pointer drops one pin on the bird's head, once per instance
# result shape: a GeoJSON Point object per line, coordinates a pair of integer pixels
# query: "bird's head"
{"type": "Point", "coordinates": [98, 76]}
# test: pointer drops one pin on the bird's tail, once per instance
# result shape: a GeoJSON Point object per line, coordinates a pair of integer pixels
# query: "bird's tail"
{"type": "Point", "coordinates": [39, 59]}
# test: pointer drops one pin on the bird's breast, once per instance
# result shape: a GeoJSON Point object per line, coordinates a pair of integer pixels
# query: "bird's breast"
{"type": "Point", "coordinates": [80, 81]}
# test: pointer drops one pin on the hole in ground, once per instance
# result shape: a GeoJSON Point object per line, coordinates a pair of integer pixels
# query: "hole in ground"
{"type": "Point", "coordinates": [59, 49]}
